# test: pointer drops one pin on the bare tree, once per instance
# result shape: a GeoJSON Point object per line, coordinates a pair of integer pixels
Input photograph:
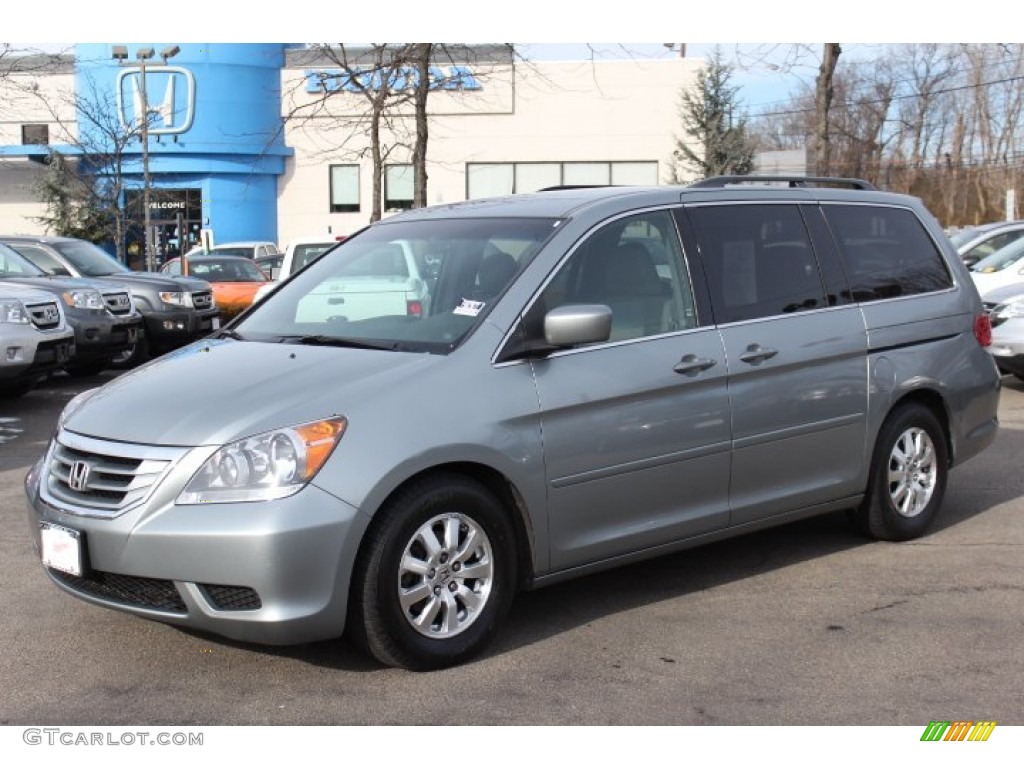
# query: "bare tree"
{"type": "Point", "coordinates": [380, 92]}
{"type": "Point", "coordinates": [939, 121]}
{"type": "Point", "coordinates": [84, 190]}
{"type": "Point", "coordinates": [823, 93]}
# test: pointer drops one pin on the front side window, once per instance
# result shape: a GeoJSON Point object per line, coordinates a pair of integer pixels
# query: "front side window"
{"type": "Point", "coordinates": [758, 260]}
{"type": "Point", "coordinates": [404, 285]}
{"type": "Point", "coordinates": [887, 252]}
{"type": "Point", "coordinates": [13, 264]}
{"type": "Point", "coordinates": [634, 266]}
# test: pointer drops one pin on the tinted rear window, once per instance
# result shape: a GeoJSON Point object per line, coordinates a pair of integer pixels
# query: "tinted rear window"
{"type": "Point", "coordinates": [887, 252]}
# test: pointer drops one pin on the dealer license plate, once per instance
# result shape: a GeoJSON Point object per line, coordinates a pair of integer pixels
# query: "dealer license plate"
{"type": "Point", "coordinates": [61, 548]}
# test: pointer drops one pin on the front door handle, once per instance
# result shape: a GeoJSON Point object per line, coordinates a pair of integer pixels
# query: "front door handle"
{"type": "Point", "coordinates": [691, 365]}
{"type": "Point", "coordinates": [755, 354]}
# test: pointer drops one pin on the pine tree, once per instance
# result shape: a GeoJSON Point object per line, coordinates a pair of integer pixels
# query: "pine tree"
{"type": "Point", "coordinates": [716, 141]}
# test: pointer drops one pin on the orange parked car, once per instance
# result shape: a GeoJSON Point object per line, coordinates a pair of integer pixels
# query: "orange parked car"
{"type": "Point", "coordinates": [235, 279]}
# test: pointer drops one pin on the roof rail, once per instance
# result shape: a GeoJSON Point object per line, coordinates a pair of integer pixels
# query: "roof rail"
{"type": "Point", "coordinates": [574, 186]}
{"type": "Point", "coordinates": [717, 182]}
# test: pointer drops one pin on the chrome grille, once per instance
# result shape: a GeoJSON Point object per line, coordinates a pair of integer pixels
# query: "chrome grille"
{"type": "Point", "coordinates": [100, 478]}
{"type": "Point", "coordinates": [118, 303]}
{"type": "Point", "coordinates": [44, 316]}
{"type": "Point", "coordinates": [202, 299]}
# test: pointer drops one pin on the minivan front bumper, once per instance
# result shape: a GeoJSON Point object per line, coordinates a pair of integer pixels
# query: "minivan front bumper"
{"type": "Point", "coordinates": [275, 572]}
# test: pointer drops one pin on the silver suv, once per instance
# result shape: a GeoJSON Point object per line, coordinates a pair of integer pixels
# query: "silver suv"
{"type": "Point", "coordinates": [35, 339]}
{"type": "Point", "coordinates": [596, 376]}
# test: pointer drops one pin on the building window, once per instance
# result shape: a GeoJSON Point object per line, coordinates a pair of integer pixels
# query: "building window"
{"type": "Point", "coordinates": [344, 189]}
{"type": "Point", "coordinates": [398, 187]}
{"type": "Point", "coordinates": [495, 179]}
{"type": "Point", "coordinates": [35, 134]}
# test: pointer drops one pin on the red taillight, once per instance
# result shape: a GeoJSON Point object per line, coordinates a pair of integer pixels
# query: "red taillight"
{"type": "Point", "coordinates": [414, 308]}
{"type": "Point", "coordinates": [983, 330]}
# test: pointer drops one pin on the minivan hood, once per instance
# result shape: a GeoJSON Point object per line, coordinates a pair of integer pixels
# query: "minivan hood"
{"type": "Point", "coordinates": [216, 391]}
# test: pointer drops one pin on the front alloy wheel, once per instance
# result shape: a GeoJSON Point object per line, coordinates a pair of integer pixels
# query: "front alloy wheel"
{"type": "Point", "coordinates": [445, 577]}
{"type": "Point", "coordinates": [435, 575]}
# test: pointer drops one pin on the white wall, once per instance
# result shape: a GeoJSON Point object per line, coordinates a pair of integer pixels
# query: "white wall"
{"type": "Point", "coordinates": [541, 111]}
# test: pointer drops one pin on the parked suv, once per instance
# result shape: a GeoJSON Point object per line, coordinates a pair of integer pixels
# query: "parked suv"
{"type": "Point", "coordinates": [101, 313]}
{"type": "Point", "coordinates": [35, 340]}
{"type": "Point", "coordinates": [596, 375]}
{"type": "Point", "coordinates": [175, 310]}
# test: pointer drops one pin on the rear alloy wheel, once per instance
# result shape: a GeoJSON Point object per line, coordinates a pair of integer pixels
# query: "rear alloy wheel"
{"type": "Point", "coordinates": [908, 475]}
{"type": "Point", "coordinates": [437, 575]}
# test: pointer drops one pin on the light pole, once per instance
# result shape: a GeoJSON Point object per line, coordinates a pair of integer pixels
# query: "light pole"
{"type": "Point", "coordinates": [142, 55]}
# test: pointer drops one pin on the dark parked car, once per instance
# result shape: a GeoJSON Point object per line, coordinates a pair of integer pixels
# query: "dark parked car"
{"type": "Point", "coordinates": [176, 310]}
{"type": "Point", "coordinates": [101, 313]}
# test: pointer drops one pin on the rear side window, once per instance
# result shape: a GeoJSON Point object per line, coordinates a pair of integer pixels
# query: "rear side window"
{"type": "Point", "coordinates": [887, 252]}
{"type": "Point", "coordinates": [758, 260]}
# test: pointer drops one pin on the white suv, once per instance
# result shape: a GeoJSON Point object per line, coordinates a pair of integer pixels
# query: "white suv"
{"type": "Point", "coordinates": [34, 337]}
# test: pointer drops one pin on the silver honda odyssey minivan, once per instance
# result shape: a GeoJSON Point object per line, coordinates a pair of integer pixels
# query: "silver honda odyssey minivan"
{"type": "Point", "coordinates": [567, 381]}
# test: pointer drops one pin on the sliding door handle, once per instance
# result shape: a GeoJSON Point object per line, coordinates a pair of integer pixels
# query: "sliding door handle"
{"type": "Point", "coordinates": [755, 354]}
{"type": "Point", "coordinates": [691, 365]}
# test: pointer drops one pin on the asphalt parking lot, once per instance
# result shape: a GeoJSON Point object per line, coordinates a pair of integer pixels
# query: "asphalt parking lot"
{"type": "Point", "coordinates": [808, 624]}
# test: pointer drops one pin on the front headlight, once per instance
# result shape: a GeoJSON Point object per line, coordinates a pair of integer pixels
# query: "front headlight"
{"type": "Point", "coordinates": [84, 299]}
{"type": "Point", "coordinates": [267, 466]}
{"type": "Point", "coordinates": [13, 311]}
{"type": "Point", "coordinates": [176, 298]}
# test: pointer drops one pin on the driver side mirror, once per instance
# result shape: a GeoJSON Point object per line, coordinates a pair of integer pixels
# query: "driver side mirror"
{"type": "Point", "coordinates": [573, 324]}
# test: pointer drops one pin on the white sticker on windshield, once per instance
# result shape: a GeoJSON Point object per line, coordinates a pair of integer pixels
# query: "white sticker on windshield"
{"type": "Point", "coordinates": [469, 307]}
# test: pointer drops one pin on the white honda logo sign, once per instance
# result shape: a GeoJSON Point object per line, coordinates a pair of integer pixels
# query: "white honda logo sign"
{"type": "Point", "coordinates": [170, 91]}
{"type": "Point", "coordinates": [78, 476]}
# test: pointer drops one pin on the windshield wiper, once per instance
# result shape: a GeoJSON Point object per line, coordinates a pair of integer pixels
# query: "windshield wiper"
{"type": "Point", "coordinates": [319, 340]}
{"type": "Point", "coordinates": [230, 333]}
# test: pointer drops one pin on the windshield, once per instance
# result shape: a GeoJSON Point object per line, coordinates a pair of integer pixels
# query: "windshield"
{"type": "Point", "coordinates": [13, 264]}
{"type": "Point", "coordinates": [1001, 259]}
{"type": "Point", "coordinates": [90, 259]}
{"type": "Point", "coordinates": [230, 270]}
{"type": "Point", "coordinates": [234, 250]}
{"type": "Point", "coordinates": [416, 285]}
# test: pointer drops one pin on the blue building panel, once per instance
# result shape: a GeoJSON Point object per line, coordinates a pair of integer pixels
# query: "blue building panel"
{"type": "Point", "coordinates": [214, 125]}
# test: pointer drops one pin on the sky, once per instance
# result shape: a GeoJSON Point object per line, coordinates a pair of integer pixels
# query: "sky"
{"type": "Point", "coordinates": [761, 40]}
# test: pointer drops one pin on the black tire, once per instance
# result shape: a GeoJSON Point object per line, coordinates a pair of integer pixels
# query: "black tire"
{"type": "Point", "coordinates": [93, 368]}
{"type": "Point", "coordinates": [909, 470]}
{"type": "Point", "coordinates": [134, 356]}
{"type": "Point", "coordinates": [459, 613]}
{"type": "Point", "coordinates": [11, 391]}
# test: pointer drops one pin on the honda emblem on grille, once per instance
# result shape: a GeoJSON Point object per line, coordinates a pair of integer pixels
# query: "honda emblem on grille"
{"type": "Point", "coordinates": [78, 477]}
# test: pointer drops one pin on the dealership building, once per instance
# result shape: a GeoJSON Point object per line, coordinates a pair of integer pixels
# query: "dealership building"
{"type": "Point", "coordinates": [272, 141]}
